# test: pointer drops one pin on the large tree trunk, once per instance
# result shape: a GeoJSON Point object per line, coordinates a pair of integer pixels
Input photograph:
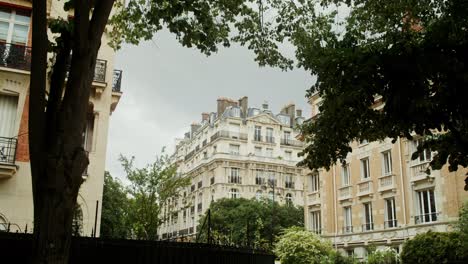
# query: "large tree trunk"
{"type": "Point", "coordinates": [55, 128]}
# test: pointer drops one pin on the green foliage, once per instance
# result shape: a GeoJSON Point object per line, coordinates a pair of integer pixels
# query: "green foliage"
{"type": "Point", "coordinates": [115, 206]}
{"type": "Point", "coordinates": [298, 246]}
{"type": "Point", "coordinates": [337, 258]}
{"type": "Point", "coordinates": [386, 256]}
{"type": "Point", "coordinates": [245, 222]}
{"type": "Point", "coordinates": [432, 248]}
{"type": "Point", "coordinates": [77, 224]}
{"type": "Point", "coordinates": [150, 187]}
{"type": "Point", "coordinates": [462, 227]}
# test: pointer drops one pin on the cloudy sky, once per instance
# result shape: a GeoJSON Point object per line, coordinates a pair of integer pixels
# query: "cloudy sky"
{"type": "Point", "coordinates": [166, 87]}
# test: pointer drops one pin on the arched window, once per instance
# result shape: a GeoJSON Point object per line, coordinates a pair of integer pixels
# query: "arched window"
{"type": "Point", "coordinates": [289, 199]}
{"type": "Point", "coordinates": [234, 193]}
{"type": "Point", "coordinates": [258, 195]}
{"type": "Point", "coordinates": [3, 223]}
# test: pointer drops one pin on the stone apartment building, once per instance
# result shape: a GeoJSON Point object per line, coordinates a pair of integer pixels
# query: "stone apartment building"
{"type": "Point", "coordinates": [16, 207]}
{"type": "Point", "coordinates": [237, 151]}
{"type": "Point", "coordinates": [381, 196]}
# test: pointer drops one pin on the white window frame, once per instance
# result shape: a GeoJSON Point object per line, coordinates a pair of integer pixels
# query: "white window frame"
{"type": "Point", "coordinates": [289, 180]}
{"type": "Point", "coordinates": [315, 221]}
{"type": "Point", "coordinates": [387, 163]}
{"type": "Point", "coordinates": [314, 182]}
{"type": "Point", "coordinates": [345, 175]}
{"type": "Point", "coordinates": [368, 217]}
{"type": "Point", "coordinates": [234, 149]}
{"type": "Point", "coordinates": [427, 212]}
{"type": "Point", "coordinates": [269, 135]}
{"type": "Point", "coordinates": [390, 213]}
{"type": "Point", "coordinates": [288, 154]}
{"type": "Point", "coordinates": [259, 177]}
{"type": "Point", "coordinates": [347, 219]}
{"type": "Point", "coordinates": [234, 193]}
{"type": "Point", "coordinates": [234, 175]}
{"type": "Point", "coordinates": [258, 133]}
{"type": "Point", "coordinates": [365, 168]}
{"type": "Point", "coordinates": [11, 24]}
{"type": "Point", "coordinates": [289, 199]}
{"type": "Point", "coordinates": [425, 156]}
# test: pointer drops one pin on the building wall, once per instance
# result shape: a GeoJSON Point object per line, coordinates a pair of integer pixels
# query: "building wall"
{"type": "Point", "coordinates": [406, 178]}
{"type": "Point", "coordinates": [16, 205]}
{"type": "Point", "coordinates": [204, 157]}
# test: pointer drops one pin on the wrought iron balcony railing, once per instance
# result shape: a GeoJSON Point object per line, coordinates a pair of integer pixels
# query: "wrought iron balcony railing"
{"type": "Point", "coordinates": [391, 224]}
{"type": "Point", "coordinates": [425, 218]}
{"type": "Point", "coordinates": [8, 150]}
{"type": "Point", "coordinates": [367, 227]}
{"type": "Point", "coordinates": [117, 81]}
{"type": "Point", "coordinates": [15, 56]}
{"type": "Point", "coordinates": [347, 229]}
{"type": "Point", "coordinates": [291, 142]}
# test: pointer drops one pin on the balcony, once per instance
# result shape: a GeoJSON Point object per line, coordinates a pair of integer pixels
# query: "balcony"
{"type": "Point", "coordinates": [419, 172]}
{"type": "Point", "coordinates": [289, 184]}
{"type": "Point", "coordinates": [390, 224]}
{"type": "Point", "coordinates": [365, 188]}
{"type": "Point", "coordinates": [269, 139]}
{"type": "Point", "coordinates": [387, 183]}
{"type": "Point", "coordinates": [7, 157]}
{"type": "Point", "coordinates": [314, 198]}
{"type": "Point", "coordinates": [367, 227]}
{"type": "Point", "coordinates": [228, 135]}
{"type": "Point", "coordinates": [14, 56]}
{"type": "Point", "coordinates": [291, 142]}
{"type": "Point", "coordinates": [345, 193]}
{"type": "Point", "coordinates": [425, 218]}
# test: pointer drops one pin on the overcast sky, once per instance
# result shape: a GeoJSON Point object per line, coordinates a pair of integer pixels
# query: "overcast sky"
{"type": "Point", "coordinates": [166, 87]}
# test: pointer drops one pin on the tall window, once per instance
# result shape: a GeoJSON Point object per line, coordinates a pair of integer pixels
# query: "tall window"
{"type": "Point", "coordinates": [427, 207]}
{"type": "Point", "coordinates": [345, 175]}
{"type": "Point", "coordinates": [289, 199]}
{"type": "Point", "coordinates": [390, 213]}
{"type": "Point", "coordinates": [287, 137]}
{"type": "Point", "coordinates": [271, 178]}
{"type": "Point", "coordinates": [368, 218]}
{"type": "Point", "coordinates": [14, 26]}
{"type": "Point", "coordinates": [258, 151]}
{"type": "Point", "coordinates": [288, 155]}
{"type": "Point", "coordinates": [259, 177]}
{"type": "Point", "coordinates": [424, 156]}
{"type": "Point", "coordinates": [347, 220]}
{"type": "Point", "coordinates": [365, 170]}
{"type": "Point", "coordinates": [387, 162]}
{"type": "Point", "coordinates": [269, 135]}
{"type": "Point", "coordinates": [234, 193]}
{"type": "Point", "coordinates": [234, 149]}
{"type": "Point", "coordinates": [315, 222]}
{"type": "Point", "coordinates": [258, 133]}
{"type": "Point", "coordinates": [8, 108]}
{"type": "Point", "coordinates": [234, 176]}
{"type": "Point", "coordinates": [269, 152]}
{"type": "Point", "coordinates": [314, 184]}
{"type": "Point", "coordinates": [288, 181]}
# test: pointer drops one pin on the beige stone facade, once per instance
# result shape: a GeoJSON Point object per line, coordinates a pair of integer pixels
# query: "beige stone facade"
{"type": "Point", "coordinates": [236, 152]}
{"type": "Point", "coordinates": [16, 208]}
{"type": "Point", "coordinates": [381, 196]}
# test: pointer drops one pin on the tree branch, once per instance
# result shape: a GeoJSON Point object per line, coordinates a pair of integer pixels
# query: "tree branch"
{"type": "Point", "coordinates": [99, 20]}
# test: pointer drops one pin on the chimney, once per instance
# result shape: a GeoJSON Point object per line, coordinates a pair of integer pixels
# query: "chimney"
{"type": "Point", "coordinates": [224, 103]}
{"type": "Point", "coordinates": [290, 110]}
{"type": "Point", "coordinates": [205, 117]}
{"type": "Point", "coordinates": [244, 105]}
{"type": "Point", "coordinates": [265, 105]}
{"type": "Point", "coordinates": [299, 112]}
{"type": "Point", "coordinates": [194, 128]}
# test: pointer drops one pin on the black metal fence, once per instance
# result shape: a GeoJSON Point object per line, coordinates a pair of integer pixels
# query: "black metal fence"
{"type": "Point", "coordinates": [15, 56]}
{"type": "Point", "coordinates": [8, 150]}
{"type": "Point", "coordinates": [95, 250]}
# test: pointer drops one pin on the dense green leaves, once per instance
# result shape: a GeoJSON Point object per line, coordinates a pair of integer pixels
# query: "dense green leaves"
{"type": "Point", "coordinates": [115, 209]}
{"type": "Point", "coordinates": [245, 222]}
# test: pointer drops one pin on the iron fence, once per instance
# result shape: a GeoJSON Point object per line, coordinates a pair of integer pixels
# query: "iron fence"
{"type": "Point", "coordinates": [15, 56]}
{"type": "Point", "coordinates": [8, 150]}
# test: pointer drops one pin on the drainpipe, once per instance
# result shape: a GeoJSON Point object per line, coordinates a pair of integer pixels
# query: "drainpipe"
{"type": "Point", "coordinates": [334, 205]}
{"type": "Point", "coordinates": [403, 193]}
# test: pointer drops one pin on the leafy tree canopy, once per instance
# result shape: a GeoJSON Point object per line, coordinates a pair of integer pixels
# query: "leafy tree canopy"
{"type": "Point", "coordinates": [115, 209]}
{"type": "Point", "coordinates": [410, 56]}
{"type": "Point", "coordinates": [244, 222]}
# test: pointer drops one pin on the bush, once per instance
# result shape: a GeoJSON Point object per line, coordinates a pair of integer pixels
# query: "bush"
{"type": "Point", "coordinates": [298, 246]}
{"type": "Point", "coordinates": [386, 256]}
{"type": "Point", "coordinates": [433, 248]}
{"type": "Point", "coordinates": [336, 258]}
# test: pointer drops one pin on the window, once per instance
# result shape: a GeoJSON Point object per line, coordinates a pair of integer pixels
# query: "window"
{"type": "Point", "coordinates": [258, 151]}
{"type": "Point", "coordinates": [259, 177]}
{"type": "Point", "coordinates": [14, 26]}
{"type": "Point", "coordinates": [289, 199]}
{"type": "Point", "coordinates": [365, 171]}
{"type": "Point", "coordinates": [212, 180]}
{"type": "Point", "coordinates": [258, 133]}
{"type": "Point", "coordinates": [215, 149]}
{"type": "Point", "coordinates": [424, 156]}
{"type": "Point", "coordinates": [315, 222]}
{"type": "Point", "coordinates": [258, 195]}
{"type": "Point", "coordinates": [269, 152]}
{"type": "Point", "coordinates": [88, 134]}
{"type": "Point", "coordinates": [288, 155]}
{"type": "Point", "coordinates": [314, 182]}
{"type": "Point", "coordinates": [185, 216]}
{"type": "Point", "coordinates": [387, 162]}
{"type": "Point", "coordinates": [234, 176]}
{"type": "Point", "coordinates": [288, 181]}
{"type": "Point", "coordinates": [390, 213]}
{"type": "Point", "coordinates": [8, 109]}
{"type": "Point", "coordinates": [347, 220]}
{"type": "Point", "coordinates": [427, 207]}
{"type": "Point", "coordinates": [192, 188]}
{"type": "Point", "coordinates": [200, 184]}
{"type": "Point", "coordinates": [234, 193]}
{"type": "Point", "coordinates": [234, 149]}
{"type": "Point", "coordinates": [271, 178]}
{"type": "Point", "coordinates": [287, 136]}
{"type": "Point", "coordinates": [368, 218]}
{"type": "Point", "coordinates": [345, 175]}
{"type": "Point", "coordinates": [269, 136]}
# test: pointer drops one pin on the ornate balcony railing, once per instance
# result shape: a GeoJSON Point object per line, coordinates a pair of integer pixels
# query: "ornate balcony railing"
{"type": "Point", "coordinates": [345, 192]}
{"type": "Point", "coordinates": [228, 134]}
{"type": "Point", "coordinates": [15, 56]}
{"type": "Point", "coordinates": [117, 81]}
{"type": "Point", "coordinates": [365, 188]}
{"type": "Point", "coordinates": [99, 71]}
{"type": "Point", "coordinates": [386, 183]}
{"type": "Point", "coordinates": [8, 150]}
{"type": "Point", "coordinates": [291, 142]}
{"type": "Point", "coordinates": [390, 224]}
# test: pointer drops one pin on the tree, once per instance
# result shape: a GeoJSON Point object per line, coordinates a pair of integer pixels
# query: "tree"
{"type": "Point", "coordinates": [77, 224]}
{"type": "Point", "coordinates": [298, 246]}
{"type": "Point", "coordinates": [58, 106]}
{"type": "Point", "coordinates": [115, 209]}
{"type": "Point", "coordinates": [244, 222]}
{"type": "Point", "coordinates": [462, 228]}
{"type": "Point", "coordinates": [385, 256]}
{"type": "Point", "coordinates": [150, 187]}
{"type": "Point", "coordinates": [407, 56]}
